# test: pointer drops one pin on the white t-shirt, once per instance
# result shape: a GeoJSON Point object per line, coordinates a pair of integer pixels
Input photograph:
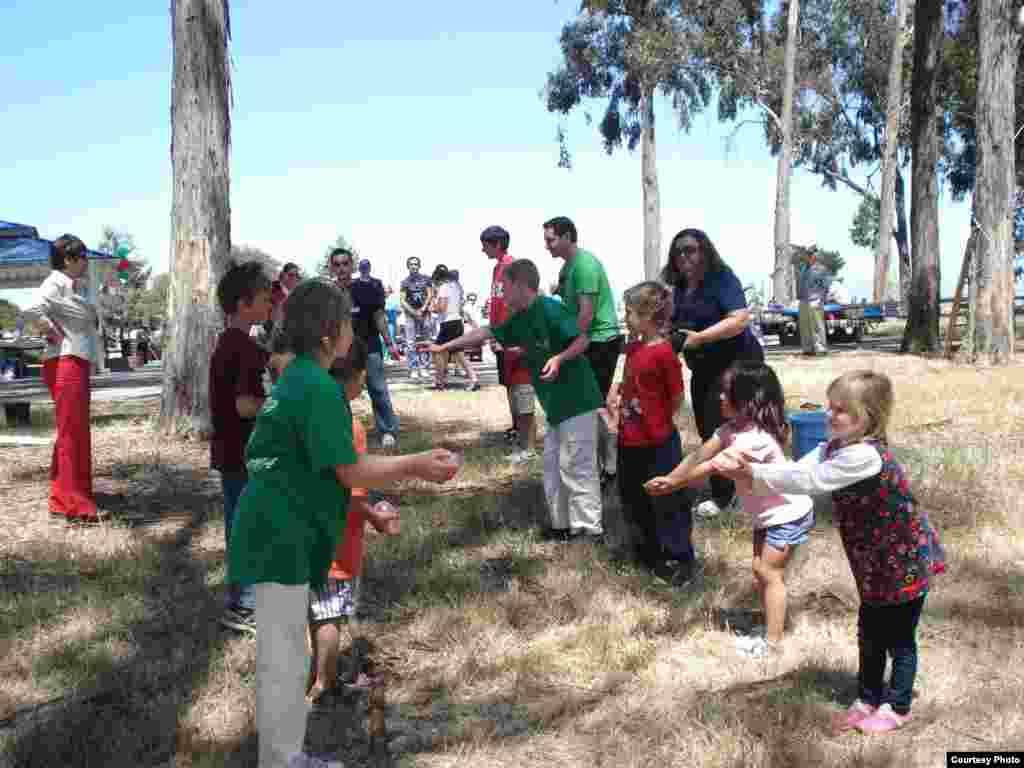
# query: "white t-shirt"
{"type": "Point", "coordinates": [762, 448]}
{"type": "Point", "coordinates": [453, 292]}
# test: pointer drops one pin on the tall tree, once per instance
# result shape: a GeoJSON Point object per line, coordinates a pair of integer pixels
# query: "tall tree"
{"type": "Point", "coordinates": [625, 52]}
{"type": "Point", "coordinates": [893, 107]}
{"type": "Point", "coordinates": [200, 207]}
{"type": "Point", "coordinates": [994, 192]}
{"type": "Point", "coordinates": [842, 63]}
{"type": "Point", "coordinates": [922, 329]}
{"type": "Point", "coordinates": [780, 281]}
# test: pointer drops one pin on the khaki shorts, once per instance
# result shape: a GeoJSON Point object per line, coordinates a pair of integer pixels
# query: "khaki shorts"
{"type": "Point", "coordinates": [521, 398]}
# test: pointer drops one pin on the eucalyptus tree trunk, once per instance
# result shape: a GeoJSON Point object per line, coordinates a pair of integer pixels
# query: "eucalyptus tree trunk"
{"type": "Point", "coordinates": [922, 331]}
{"type": "Point", "coordinates": [652, 197]}
{"type": "Point", "coordinates": [998, 39]}
{"type": "Point", "coordinates": [902, 239]}
{"type": "Point", "coordinates": [894, 100]}
{"type": "Point", "coordinates": [200, 209]}
{"type": "Point", "coordinates": [780, 281]}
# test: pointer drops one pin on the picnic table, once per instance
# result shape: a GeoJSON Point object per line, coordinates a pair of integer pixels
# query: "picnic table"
{"type": "Point", "coordinates": [17, 411]}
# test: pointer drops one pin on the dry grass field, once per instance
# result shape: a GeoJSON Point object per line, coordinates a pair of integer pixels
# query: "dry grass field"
{"type": "Point", "coordinates": [500, 649]}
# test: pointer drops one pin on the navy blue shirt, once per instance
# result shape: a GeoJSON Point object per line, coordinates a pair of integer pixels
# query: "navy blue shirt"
{"type": "Point", "coordinates": [718, 295]}
{"type": "Point", "coordinates": [367, 297]}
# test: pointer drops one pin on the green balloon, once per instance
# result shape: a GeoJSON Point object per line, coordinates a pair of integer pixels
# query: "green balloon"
{"type": "Point", "coordinates": [122, 251]}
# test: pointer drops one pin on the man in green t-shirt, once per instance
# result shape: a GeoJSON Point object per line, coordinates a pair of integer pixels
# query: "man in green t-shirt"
{"type": "Point", "coordinates": [567, 390]}
{"type": "Point", "coordinates": [583, 286]}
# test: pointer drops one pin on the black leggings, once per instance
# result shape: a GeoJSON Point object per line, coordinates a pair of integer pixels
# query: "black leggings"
{"type": "Point", "coordinates": [705, 389]}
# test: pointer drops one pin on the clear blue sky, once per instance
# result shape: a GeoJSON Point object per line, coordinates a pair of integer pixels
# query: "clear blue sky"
{"type": "Point", "coordinates": [406, 128]}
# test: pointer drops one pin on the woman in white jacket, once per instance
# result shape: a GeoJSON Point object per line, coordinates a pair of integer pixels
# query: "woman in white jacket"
{"type": "Point", "coordinates": [70, 353]}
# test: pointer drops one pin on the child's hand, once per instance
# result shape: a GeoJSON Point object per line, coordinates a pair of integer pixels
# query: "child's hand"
{"type": "Point", "coordinates": [659, 486]}
{"type": "Point", "coordinates": [550, 370]}
{"type": "Point", "coordinates": [728, 462]}
{"type": "Point", "coordinates": [437, 465]}
{"type": "Point", "coordinates": [432, 348]}
{"type": "Point", "coordinates": [386, 518]}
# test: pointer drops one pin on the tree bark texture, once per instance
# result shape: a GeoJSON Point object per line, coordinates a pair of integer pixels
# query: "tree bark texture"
{"type": "Point", "coordinates": [652, 196]}
{"type": "Point", "coordinates": [922, 331]}
{"type": "Point", "coordinates": [780, 283]}
{"type": "Point", "coordinates": [902, 239]}
{"type": "Point", "coordinates": [894, 99]}
{"type": "Point", "coordinates": [200, 208]}
{"type": "Point", "coordinates": [994, 188]}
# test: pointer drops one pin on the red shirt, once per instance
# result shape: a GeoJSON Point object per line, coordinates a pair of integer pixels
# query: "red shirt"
{"type": "Point", "coordinates": [515, 369]}
{"type": "Point", "coordinates": [236, 369]}
{"type": "Point", "coordinates": [653, 380]}
{"type": "Point", "coordinates": [348, 557]}
{"type": "Point", "coordinates": [497, 313]}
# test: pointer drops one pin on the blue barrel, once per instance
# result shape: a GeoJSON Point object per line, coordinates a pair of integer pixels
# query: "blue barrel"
{"type": "Point", "coordinates": [809, 429]}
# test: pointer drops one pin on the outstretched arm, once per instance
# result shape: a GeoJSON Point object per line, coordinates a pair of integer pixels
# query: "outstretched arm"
{"type": "Point", "coordinates": [695, 467]}
{"type": "Point", "coordinates": [471, 339]}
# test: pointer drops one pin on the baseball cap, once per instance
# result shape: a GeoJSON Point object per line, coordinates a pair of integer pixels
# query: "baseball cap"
{"type": "Point", "coordinates": [494, 233]}
{"type": "Point", "coordinates": [364, 265]}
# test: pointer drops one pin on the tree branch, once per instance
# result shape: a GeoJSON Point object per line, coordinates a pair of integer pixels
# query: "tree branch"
{"type": "Point", "coordinates": [842, 177]}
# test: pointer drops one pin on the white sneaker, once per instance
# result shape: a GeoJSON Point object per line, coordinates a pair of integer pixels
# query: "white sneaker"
{"type": "Point", "coordinates": [521, 457]}
{"type": "Point", "coordinates": [388, 441]}
{"type": "Point", "coordinates": [707, 510]}
{"type": "Point", "coordinates": [757, 648]}
{"type": "Point", "coordinates": [414, 374]}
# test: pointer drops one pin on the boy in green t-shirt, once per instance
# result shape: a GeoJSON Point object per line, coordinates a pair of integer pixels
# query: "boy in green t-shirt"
{"type": "Point", "coordinates": [301, 463]}
{"type": "Point", "coordinates": [553, 347]}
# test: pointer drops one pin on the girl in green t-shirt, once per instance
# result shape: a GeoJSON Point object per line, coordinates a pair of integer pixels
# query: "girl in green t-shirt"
{"type": "Point", "coordinates": [301, 462]}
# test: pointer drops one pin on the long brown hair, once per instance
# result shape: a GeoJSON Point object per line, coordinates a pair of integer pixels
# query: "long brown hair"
{"type": "Point", "coordinates": [756, 393]}
{"type": "Point", "coordinates": [670, 274]}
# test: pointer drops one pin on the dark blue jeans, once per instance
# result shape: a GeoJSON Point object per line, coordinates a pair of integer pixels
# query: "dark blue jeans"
{"type": "Point", "coordinates": [377, 386]}
{"type": "Point", "coordinates": [665, 522]}
{"type": "Point", "coordinates": [888, 630]}
{"type": "Point", "coordinates": [233, 483]}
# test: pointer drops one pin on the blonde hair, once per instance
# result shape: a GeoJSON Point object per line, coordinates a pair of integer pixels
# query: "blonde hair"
{"type": "Point", "coordinates": [650, 299]}
{"type": "Point", "coordinates": [868, 396]}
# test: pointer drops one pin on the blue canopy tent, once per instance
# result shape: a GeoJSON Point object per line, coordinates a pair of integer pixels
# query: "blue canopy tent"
{"type": "Point", "coordinates": [25, 257]}
{"type": "Point", "coordinates": [25, 263]}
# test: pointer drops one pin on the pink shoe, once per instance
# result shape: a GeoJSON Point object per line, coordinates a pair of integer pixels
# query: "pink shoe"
{"type": "Point", "coordinates": [854, 716]}
{"type": "Point", "coordinates": [883, 721]}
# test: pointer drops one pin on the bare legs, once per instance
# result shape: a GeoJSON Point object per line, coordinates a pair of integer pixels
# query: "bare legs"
{"type": "Point", "coordinates": [769, 568]}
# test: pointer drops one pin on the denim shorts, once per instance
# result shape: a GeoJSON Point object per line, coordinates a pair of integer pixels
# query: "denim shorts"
{"type": "Point", "coordinates": [791, 533]}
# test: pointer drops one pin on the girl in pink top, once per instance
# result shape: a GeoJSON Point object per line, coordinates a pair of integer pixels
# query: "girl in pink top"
{"type": "Point", "coordinates": [753, 403]}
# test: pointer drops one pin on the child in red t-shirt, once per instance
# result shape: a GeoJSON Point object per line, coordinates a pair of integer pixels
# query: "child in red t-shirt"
{"type": "Point", "coordinates": [642, 407]}
{"type": "Point", "coordinates": [338, 600]}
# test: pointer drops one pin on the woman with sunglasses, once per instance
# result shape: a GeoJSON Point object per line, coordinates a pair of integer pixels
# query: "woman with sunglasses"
{"type": "Point", "coordinates": [711, 310]}
{"type": "Point", "coordinates": [71, 350]}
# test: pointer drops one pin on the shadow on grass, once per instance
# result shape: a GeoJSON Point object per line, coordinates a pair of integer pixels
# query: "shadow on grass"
{"type": "Point", "coordinates": [126, 713]}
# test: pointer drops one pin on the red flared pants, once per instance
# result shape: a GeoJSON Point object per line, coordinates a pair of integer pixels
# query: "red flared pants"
{"type": "Point", "coordinates": [71, 466]}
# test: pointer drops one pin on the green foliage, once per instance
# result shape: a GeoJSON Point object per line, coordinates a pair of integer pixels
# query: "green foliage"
{"type": "Point", "coordinates": [622, 52]}
{"type": "Point", "coordinates": [864, 230]}
{"type": "Point", "coordinates": [830, 260]}
{"type": "Point", "coordinates": [8, 314]}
